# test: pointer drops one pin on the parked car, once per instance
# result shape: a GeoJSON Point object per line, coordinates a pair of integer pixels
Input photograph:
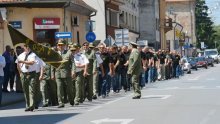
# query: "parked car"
{"type": "Point", "coordinates": [201, 62]}
{"type": "Point", "coordinates": [186, 65]}
{"type": "Point", "coordinates": [212, 53]}
{"type": "Point", "coordinates": [193, 62]}
{"type": "Point", "coordinates": [210, 60]}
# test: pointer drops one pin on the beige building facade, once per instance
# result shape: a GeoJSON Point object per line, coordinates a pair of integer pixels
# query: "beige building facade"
{"type": "Point", "coordinates": [182, 12]}
{"type": "Point", "coordinates": [41, 23]}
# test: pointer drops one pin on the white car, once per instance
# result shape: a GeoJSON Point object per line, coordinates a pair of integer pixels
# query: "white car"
{"type": "Point", "coordinates": [212, 53]}
{"type": "Point", "coordinates": [186, 65]}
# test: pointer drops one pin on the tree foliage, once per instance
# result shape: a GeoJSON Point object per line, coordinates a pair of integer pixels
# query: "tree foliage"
{"type": "Point", "coordinates": [217, 36]}
{"type": "Point", "coordinates": [204, 25]}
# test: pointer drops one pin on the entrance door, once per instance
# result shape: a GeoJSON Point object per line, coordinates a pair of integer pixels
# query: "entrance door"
{"type": "Point", "coordinates": [45, 36]}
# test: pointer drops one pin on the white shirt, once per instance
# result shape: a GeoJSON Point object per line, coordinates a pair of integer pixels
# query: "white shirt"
{"type": "Point", "coordinates": [2, 65]}
{"type": "Point", "coordinates": [31, 57]}
{"type": "Point", "coordinates": [99, 59]}
{"type": "Point", "coordinates": [80, 59]}
{"type": "Point", "coordinates": [39, 64]}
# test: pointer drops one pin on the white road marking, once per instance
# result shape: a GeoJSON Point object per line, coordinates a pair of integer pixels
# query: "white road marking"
{"type": "Point", "coordinates": [107, 120]}
{"type": "Point", "coordinates": [92, 109]}
{"type": "Point", "coordinates": [157, 96]}
{"type": "Point", "coordinates": [194, 79]}
{"type": "Point", "coordinates": [197, 87]}
{"type": "Point", "coordinates": [110, 102]}
{"type": "Point", "coordinates": [172, 88]}
{"type": "Point", "coordinates": [208, 117]}
{"type": "Point", "coordinates": [211, 79]}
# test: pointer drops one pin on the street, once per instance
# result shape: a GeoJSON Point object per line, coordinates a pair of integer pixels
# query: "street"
{"type": "Point", "coordinates": [192, 99]}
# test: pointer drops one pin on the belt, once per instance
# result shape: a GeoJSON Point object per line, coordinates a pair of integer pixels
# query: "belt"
{"type": "Point", "coordinates": [28, 73]}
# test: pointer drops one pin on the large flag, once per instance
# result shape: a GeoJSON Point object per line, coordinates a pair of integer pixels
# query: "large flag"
{"type": "Point", "coordinates": [47, 54]}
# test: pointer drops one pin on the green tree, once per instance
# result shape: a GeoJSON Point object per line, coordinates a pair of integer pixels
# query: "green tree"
{"type": "Point", "coordinates": [204, 25]}
{"type": "Point", "coordinates": [217, 37]}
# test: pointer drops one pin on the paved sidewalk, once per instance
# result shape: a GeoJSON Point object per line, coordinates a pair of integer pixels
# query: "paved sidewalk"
{"type": "Point", "coordinates": [11, 98]}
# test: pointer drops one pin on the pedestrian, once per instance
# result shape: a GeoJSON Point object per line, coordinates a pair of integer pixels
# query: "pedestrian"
{"type": "Point", "coordinates": [62, 76]}
{"type": "Point", "coordinates": [19, 50]}
{"type": "Point", "coordinates": [99, 72]}
{"type": "Point", "coordinates": [90, 69]}
{"type": "Point", "coordinates": [27, 68]}
{"type": "Point", "coordinates": [114, 62]}
{"type": "Point", "coordinates": [6, 54]}
{"type": "Point", "coordinates": [2, 65]}
{"type": "Point", "coordinates": [103, 77]}
{"type": "Point", "coordinates": [135, 69]}
{"type": "Point", "coordinates": [80, 61]}
{"type": "Point", "coordinates": [12, 69]}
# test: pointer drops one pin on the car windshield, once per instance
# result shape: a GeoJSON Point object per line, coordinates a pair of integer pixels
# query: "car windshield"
{"type": "Point", "coordinates": [208, 53]}
{"type": "Point", "coordinates": [191, 59]}
{"type": "Point", "coordinates": [200, 59]}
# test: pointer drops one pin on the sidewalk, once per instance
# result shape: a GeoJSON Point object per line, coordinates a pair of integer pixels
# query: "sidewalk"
{"type": "Point", "coordinates": [11, 98]}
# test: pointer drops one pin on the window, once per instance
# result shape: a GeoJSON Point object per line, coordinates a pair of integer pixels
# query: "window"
{"type": "Point", "coordinates": [114, 18]}
{"type": "Point", "coordinates": [108, 17]}
{"type": "Point", "coordinates": [77, 36]}
{"type": "Point", "coordinates": [75, 20]}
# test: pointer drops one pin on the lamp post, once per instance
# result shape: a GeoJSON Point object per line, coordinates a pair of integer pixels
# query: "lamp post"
{"type": "Point", "coordinates": [215, 44]}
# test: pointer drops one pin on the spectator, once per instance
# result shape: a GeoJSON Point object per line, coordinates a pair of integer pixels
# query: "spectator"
{"type": "Point", "coordinates": [12, 69]}
{"type": "Point", "coordinates": [6, 54]}
{"type": "Point", "coordinates": [2, 65]}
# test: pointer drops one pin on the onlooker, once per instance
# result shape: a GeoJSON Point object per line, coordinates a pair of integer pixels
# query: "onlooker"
{"type": "Point", "coordinates": [6, 54]}
{"type": "Point", "coordinates": [19, 50]}
{"type": "Point", "coordinates": [12, 69]}
{"type": "Point", "coordinates": [2, 65]}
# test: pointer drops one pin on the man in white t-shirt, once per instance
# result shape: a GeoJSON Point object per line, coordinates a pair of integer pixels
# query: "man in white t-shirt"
{"type": "Point", "coordinates": [80, 61]}
{"type": "Point", "coordinates": [26, 63]}
{"type": "Point", "coordinates": [2, 65]}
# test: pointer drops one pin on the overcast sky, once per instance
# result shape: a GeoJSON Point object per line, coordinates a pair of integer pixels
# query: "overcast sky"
{"type": "Point", "coordinates": [215, 6]}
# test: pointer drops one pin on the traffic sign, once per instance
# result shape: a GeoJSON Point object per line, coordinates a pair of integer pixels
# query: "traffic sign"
{"type": "Point", "coordinates": [63, 35]}
{"type": "Point", "coordinates": [90, 36]}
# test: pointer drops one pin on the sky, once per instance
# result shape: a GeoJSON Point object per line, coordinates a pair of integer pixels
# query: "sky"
{"type": "Point", "coordinates": [214, 7]}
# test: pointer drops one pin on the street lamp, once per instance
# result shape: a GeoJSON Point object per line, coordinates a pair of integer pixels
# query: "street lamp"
{"type": "Point", "coordinates": [215, 44]}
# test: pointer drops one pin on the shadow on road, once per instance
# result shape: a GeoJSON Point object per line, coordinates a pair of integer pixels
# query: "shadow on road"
{"type": "Point", "coordinates": [36, 119]}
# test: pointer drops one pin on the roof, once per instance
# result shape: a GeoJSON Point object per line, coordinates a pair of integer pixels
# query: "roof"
{"type": "Point", "coordinates": [74, 5]}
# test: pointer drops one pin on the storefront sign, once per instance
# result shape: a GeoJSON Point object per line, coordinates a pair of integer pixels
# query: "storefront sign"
{"type": "Point", "coordinates": [16, 24]}
{"type": "Point", "coordinates": [47, 23]}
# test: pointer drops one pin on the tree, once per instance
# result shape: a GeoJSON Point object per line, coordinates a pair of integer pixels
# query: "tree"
{"type": "Point", "coordinates": [217, 37]}
{"type": "Point", "coordinates": [204, 25]}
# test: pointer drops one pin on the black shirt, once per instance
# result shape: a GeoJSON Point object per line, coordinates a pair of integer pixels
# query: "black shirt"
{"type": "Point", "coordinates": [106, 59]}
{"type": "Point", "coordinates": [162, 58]}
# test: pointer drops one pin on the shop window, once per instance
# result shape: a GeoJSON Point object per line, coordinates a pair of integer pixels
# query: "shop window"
{"type": "Point", "coordinates": [114, 15]}
{"type": "Point", "coordinates": [45, 36]}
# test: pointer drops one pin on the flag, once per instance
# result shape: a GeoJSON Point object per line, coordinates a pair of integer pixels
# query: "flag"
{"type": "Point", "coordinates": [47, 54]}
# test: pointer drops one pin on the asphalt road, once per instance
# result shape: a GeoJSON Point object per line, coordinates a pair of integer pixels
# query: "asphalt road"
{"type": "Point", "coordinates": [192, 99]}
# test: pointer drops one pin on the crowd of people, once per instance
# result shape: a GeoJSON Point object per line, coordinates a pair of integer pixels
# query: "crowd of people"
{"type": "Point", "coordinates": [88, 72]}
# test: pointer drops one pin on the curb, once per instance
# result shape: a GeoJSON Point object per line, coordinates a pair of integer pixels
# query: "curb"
{"type": "Point", "coordinates": [12, 102]}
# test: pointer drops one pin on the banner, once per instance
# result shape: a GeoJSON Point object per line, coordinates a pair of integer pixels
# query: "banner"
{"type": "Point", "coordinates": [47, 54]}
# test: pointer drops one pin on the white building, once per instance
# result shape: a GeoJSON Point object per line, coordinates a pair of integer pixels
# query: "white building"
{"type": "Point", "coordinates": [129, 18]}
{"type": "Point", "coordinates": [99, 18]}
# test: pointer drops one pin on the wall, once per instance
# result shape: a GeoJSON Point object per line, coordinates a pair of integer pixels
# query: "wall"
{"type": "Point", "coordinates": [26, 15]}
{"type": "Point", "coordinates": [148, 21]}
{"type": "Point", "coordinates": [185, 15]}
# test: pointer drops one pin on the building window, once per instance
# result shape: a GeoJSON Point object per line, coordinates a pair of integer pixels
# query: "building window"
{"type": "Point", "coordinates": [75, 20]}
{"type": "Point", "coordinates": [77, 36]}
{"type": "Point", "coordinates": [108, 17]}
{"type": "Point", "coordinates": [114, 18]}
